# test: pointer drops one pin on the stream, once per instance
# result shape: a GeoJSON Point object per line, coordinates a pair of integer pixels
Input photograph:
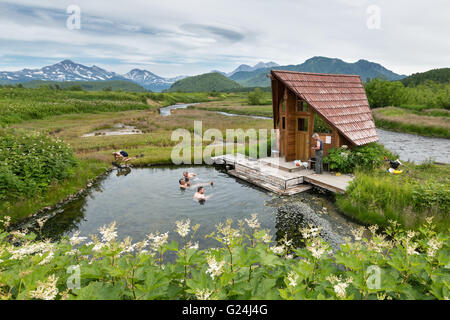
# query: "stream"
{"type": "Point", "coordinates": [409, 147]}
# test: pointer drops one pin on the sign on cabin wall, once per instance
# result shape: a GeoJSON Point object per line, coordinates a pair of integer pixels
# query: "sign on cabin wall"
{"type": "Point", "coordinates": [328, 139]}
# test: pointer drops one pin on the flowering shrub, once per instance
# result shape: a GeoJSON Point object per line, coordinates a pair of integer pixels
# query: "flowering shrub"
{"type": "Point", "coordinates": [247, 264]}
{"type": "Point", "coordinates": [29, 163]}
{"type": "Point", "coordinates": [346, 160]}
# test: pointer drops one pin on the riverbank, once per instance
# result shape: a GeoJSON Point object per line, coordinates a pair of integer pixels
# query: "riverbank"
{"type": "Point", "coordinates": [432, 123]}
{"type": "Point", "coordinates": [420, 192]}
{"type": "Point", "coordinates": [153, 145]}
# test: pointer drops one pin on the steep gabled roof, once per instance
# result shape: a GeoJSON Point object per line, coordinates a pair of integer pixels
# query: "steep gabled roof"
{"type": "Point", "coordinates": [339, 98]}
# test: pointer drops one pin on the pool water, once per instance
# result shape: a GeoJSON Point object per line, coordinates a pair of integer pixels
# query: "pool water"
{"type": "Point", "coordinates": [147, 200]}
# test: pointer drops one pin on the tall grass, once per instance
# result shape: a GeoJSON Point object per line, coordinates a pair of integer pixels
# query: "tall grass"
{"type": "Point", "coordinates": [377, 197]}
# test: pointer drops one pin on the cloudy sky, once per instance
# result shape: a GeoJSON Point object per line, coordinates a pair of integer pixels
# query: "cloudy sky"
{"type": "Point", "coordinates": [174, 37]}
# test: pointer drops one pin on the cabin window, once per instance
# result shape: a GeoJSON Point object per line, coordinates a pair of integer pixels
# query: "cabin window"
{"type": "Point", "coordinates": [283, 106]}
{"type": "Point", "coordinates": [302, 106]}
{"type": "Point", "coordinates": [302, 124]}
{"type": "Point", "coordinates": [283, 121]}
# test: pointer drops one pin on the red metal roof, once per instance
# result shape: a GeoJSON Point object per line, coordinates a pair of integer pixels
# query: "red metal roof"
{"type": "Point", "coordinates": [339, 98]}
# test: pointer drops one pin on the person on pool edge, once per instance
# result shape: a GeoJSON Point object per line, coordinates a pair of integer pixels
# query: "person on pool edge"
{"type": "Point", "coordinates": [318, 147]}
{"type": "Point", "coordinates": [121, 155]}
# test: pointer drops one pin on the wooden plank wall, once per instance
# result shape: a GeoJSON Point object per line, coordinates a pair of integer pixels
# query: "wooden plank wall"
{"type": "Point", "coordinates": [291, 126]}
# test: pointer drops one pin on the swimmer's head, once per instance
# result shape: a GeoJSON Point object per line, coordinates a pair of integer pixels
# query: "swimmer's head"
{"type": "Point", "coordinates": [200, 190]}
{"type": "Point", "coordinates": [181, 182]}
{"type": "Point", "coordinates": [185, 173]}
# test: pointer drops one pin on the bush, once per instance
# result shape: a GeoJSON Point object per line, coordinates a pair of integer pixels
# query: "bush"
{"type": "Point", "coordinates": [256, 97]}
{"type": "Point", "coordinates": [382, 93]}
{"type": "Point", "coordinates": [29, 163]}
{"type": "Point", "coordinates": [346, 160]}
{"type": "Point", "coordinates": [246, 265]}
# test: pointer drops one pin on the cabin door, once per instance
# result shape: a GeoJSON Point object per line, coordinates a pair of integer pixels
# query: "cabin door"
{"type": "Point", "coordinates": [302, 139]}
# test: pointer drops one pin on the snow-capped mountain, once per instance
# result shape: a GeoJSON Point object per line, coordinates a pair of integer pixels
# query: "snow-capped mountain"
{"type": "Point", "coordinates": [247, 68]}
{"type": "Point", "coordinates": [65, 70]}
{"type": "Point", "coordinates": [68, 70]}
{"type": "Point", "coordinates": [151, 81]}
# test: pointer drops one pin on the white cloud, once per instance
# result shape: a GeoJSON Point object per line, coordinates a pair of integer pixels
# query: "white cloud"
{"type": "Point", "coordinates": [175, 37]}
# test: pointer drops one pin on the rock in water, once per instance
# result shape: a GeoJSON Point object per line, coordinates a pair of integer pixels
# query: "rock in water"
{"type": "Point", "coordinates": [292, 217]}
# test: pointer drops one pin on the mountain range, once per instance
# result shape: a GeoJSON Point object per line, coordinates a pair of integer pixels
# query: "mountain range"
{"type": "Point", "coordinates": [245, 75]}
{"type": "Point", "coordinates": [68, 70]}
{"type": "Point", "coordinates": [366, 69]}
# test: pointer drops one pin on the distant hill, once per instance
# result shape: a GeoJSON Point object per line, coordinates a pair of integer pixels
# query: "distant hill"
{"type": "Point", "coordinates": [247, 68]}
{"type": "Point", "coordinates": [150, 80]}
{"type": "Point", "coordinates": [114, 85]}
{"type": "Point", "coordinates": [364, 68]}
{"type": "Point", "coordinates": [438, 75]}
{"type": "Point", "coordinates": [205, 82]}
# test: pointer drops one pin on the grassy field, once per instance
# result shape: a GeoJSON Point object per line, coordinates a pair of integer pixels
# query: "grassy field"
{"type": "Point", "coordinates": [373, 198]}
{"type": "Point", "coordinates": [421, 191]}
{"type": "Point", "coordinates": [414, 119]}
{"type": "Point", "coordinates": [21, 104]}
{"type": "Point", "coordinates": [104, 110]}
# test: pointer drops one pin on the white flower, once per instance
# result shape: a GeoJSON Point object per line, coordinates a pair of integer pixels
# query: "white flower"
{"type": "Point", "coordinates": [215, 269]}
{"type": "Point", "coordinates": [203, 294]}
{"type": "Point", "coordinates": [157, 240]}
{"type": "Point", "coordinates": [433, 245]}
{"type": "Point", "coordinates": [228, 233]}
{"type": "Point", "coordinates": [183, 227]}
{"type": "Point", "coordinates": [277, 249]}
{"type": "Point", "coordinates": [340, 289]}
{"type": "Point", "coordinates": [75, 239]}
{"type": "Point", "coordinates": [253, 221]}
{"type": "Point", "coordinates": [193, 246]}
{"type": "Point", "coordinates": [127, 246]}
{"type": "Point", "coordinates": [317, 248]}
{"type": "Point", "coordinates": [339, 285]}
{"type": "Point", "coordinates": [266, 238]}
{"type": "Point", "coordinates": [6, 219]}
{"type": "Point", "coordinates": [18, 253]}
{"type": "Point", "coordinates": [46, 290]}
{"type": "Point", "coordinates": [292, 278]}
{"type": "Point", "coordinates": [358, 233]}
{"type": "Point", "coordinates": [47, 259]}
{"type": "Point", "coordinates": [108, 232]}
{"type": "Point", "coordinates": [41, 222]}
{"type": "Point", "coordinates": [411, 248]}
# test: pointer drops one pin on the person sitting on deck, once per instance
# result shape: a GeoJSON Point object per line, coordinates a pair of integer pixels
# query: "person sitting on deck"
{"type": "Point", "coordinates": [318, 147]}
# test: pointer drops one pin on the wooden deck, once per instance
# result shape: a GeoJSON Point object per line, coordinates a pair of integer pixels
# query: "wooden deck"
{"type": "Point", "coordinates": [279, 176]}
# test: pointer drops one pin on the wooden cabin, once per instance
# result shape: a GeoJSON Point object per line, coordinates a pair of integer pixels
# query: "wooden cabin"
{"type": "Point", "coordinates": [333, 105]}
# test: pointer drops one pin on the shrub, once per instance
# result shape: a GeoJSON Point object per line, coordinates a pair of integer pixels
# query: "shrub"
{"type": "Point", "coordinates": [29, 163]}
{"type": "Point", "coordinates": [256, 97]}
{"type": "Point", "coordinates": [346, 160]}
{"type": "Point", "coordinates": [382, 93]}
{"type": "Point", "coordinates": [246, 265]}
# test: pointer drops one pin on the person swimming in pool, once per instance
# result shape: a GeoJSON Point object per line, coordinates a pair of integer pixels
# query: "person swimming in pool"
{"type": "Point", "coordinates": [200, 195]}
{"type": "Point", "coordinates": [188, 175]}
{"type": "Point", "coordinates": [187, 184]}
